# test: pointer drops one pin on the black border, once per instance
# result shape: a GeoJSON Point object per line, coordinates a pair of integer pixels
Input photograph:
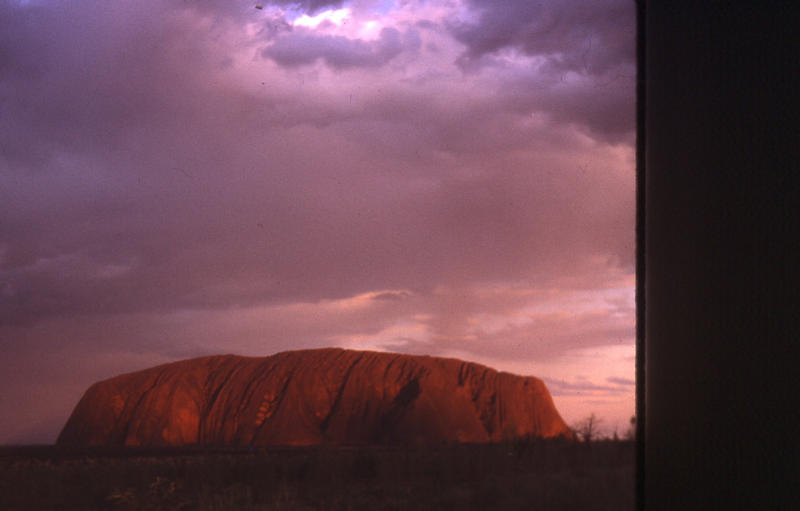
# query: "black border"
{"type": "Point", "coordinates": [718, 261]}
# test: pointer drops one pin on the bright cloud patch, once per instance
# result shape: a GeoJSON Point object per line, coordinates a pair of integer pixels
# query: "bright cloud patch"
{"type": "Point", "coordinates": [336, 17]}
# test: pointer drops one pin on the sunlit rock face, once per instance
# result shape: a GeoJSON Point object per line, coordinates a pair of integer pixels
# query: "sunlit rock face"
{"type": "Point", "coordinates": [311, 397]}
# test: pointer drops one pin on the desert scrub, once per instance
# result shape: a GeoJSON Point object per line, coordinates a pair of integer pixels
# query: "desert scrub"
{"type": "Point", "coordinates": [530, 474]}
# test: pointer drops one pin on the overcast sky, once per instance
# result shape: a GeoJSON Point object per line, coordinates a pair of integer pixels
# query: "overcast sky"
{"type": "Point", "coordinates": [181, 178]}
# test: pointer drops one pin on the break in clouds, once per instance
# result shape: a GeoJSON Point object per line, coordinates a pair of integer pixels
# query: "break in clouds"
{"type": "Point", "coordinates": [181, 178]}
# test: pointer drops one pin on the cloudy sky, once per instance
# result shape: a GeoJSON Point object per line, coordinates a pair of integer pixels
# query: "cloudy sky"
{"type": "Point", "coordinates": [189, 177]}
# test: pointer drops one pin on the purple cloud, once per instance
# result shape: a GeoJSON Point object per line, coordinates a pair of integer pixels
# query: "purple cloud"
{"type": "Point", "coordinates": [302, 47]}
{"type": "Point", "coordinates": [564, 388]}
{"type": "Point", "coordinates": [621, 381]}
{"type": "Point", "coordinates": [243, 9]}
{"type": "Point", "coordinates": [584, 55]}
{"type": "Point", "coordinates": [575, 35]}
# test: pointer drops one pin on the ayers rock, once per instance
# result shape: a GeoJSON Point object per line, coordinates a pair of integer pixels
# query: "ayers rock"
{"type": "Point", "coordinates": [309, 397]}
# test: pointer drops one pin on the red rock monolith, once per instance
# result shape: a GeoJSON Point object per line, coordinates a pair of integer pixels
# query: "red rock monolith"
{"type": "Point", "coordinates": [311, 397]}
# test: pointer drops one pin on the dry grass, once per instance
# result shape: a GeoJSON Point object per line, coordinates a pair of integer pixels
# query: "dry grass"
{"type": "Point", "coordinates": [520, 475]}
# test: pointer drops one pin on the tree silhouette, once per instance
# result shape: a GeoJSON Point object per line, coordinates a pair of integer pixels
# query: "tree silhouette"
{"type": "Point", "coordinates": [587, 428]}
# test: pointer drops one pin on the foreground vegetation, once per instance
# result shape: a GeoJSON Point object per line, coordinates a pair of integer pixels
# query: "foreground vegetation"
{"type": "Point", "coordinates": [520, 475]}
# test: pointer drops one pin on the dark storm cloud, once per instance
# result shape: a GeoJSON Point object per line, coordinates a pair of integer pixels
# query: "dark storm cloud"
{"type": "Point", "coordinates": [302, 47]}
{"type": "Point", "coordinates": [240, 8]}
{"type": "Point", "coordinates": [310, 6]}
{"type": "Point", "coordinates": [160, 231]}
{"type": "Point", "coordinates": [584, 59]}
{"type": "Point", "coordinates": [603, 107]}
{"type": "Point", "coordinates": [85, 108]}
{"type": "Point", "coordinates": [586, 36]}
